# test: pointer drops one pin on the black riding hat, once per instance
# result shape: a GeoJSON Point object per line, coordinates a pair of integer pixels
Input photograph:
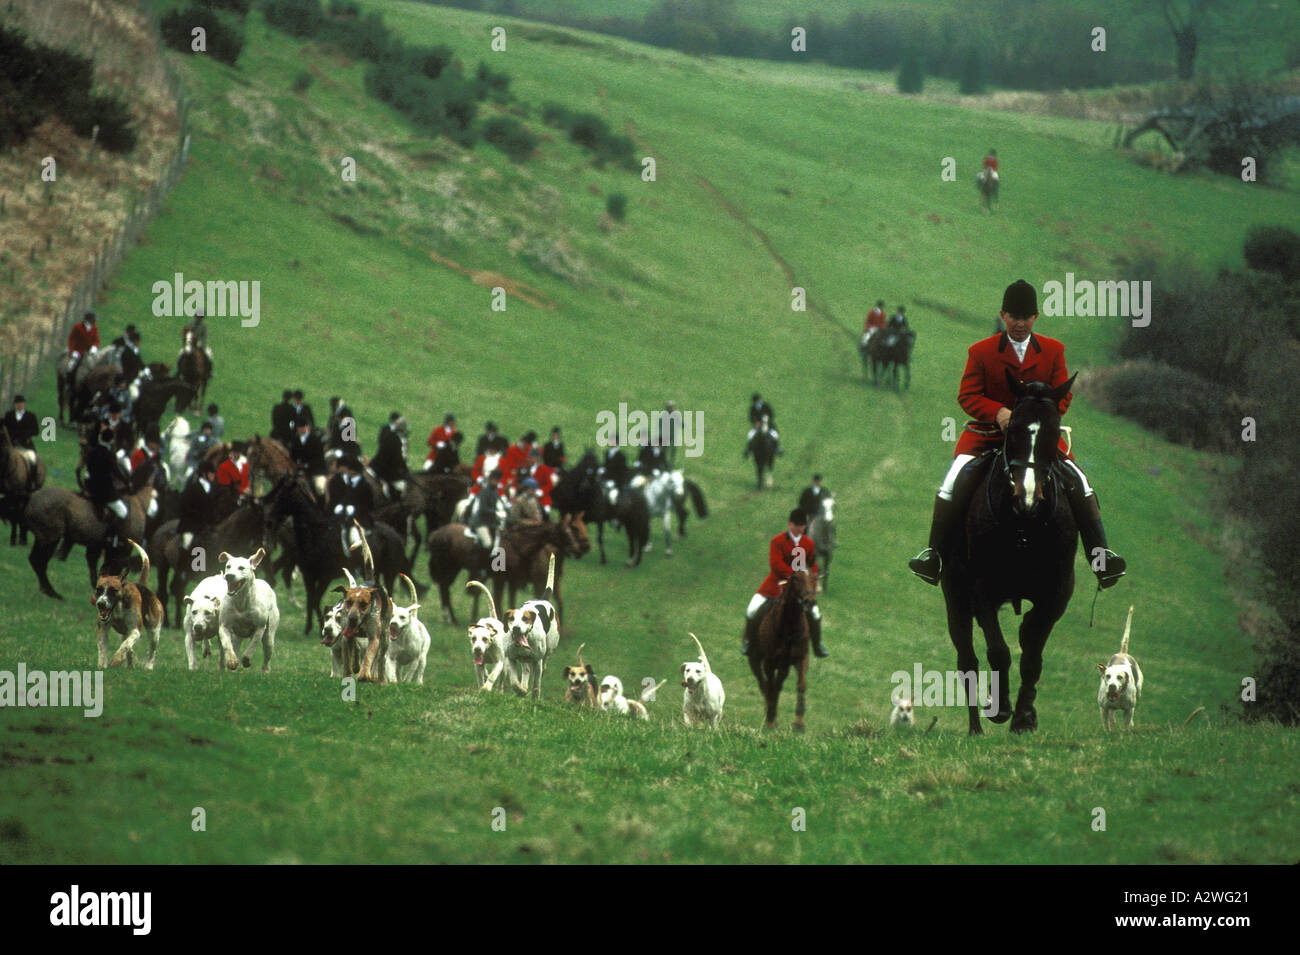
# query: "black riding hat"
{"type": "Point", "coordinates": [798, 518]}
{"type": "Point", "coordinates": [1020, 299]}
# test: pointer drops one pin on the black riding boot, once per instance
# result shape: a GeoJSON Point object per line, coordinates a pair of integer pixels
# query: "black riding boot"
{"type": "Point", "coordinates": [815, 634]}
{"type": "Point", "coordinates": [1105, 563]}
{"type": "Point", "coordinates": [748, 632]}
{"type": "Point", "coordinates": [927, 565]}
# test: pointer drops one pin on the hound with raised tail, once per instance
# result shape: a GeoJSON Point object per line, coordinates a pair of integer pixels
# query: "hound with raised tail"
{"type": "Point", "coordinates": [534, 634]}
{"type": "Point", "coordinates": [331, 635]}
{"type": "Point", "coordinates": [249, 611]}
{"type": "Point", "coordinates": [581, 683]}
{"type": "Point", "coordinates": [408, 641]}
{"type": "Point", "coordinates": [703, 697]}
{"type": "Point", "coordinates": [130, 609]}
{"type": "Point", "coordinates": [487, 641]}
{"type": "Point", "coordinates": [1121, 682]}
{"type": "Point", "coordinates": [612, 698]}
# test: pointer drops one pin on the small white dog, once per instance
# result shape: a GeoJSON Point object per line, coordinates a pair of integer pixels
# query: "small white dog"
{"type": "Point", "coordinates": [1121, 682]}
{"type": "Point", "coordinates": [534, 634]}
{"type": "Point", "coordinates": [902, 718]}
{"type": "Point", "coordinates": [408, 642]}
{"type": "Point", "coordinates": [487, 641]}
{"type": "Point", "coordinates": [611, 698]}
{"type": "Point", "coordinates": [703, 697]}
{"type": "Point", "coordinates": [203, 618]}
{"type": "Point", "coordinates": [248, 611]}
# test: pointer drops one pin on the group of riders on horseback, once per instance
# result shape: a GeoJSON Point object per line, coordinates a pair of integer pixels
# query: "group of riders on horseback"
{"type": "Point", "coordinates": [1012, 366]}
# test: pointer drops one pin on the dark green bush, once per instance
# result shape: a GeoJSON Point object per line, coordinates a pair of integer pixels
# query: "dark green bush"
{"type": "Point", "coordinates": [616, 206]}
{"type": "Point", "coordinates": [1274, 248]}
{"type": "Point", "coordinates": [911, 75]}
{"type": "Point", "coordinates": [554, 114]}
{"type": "Point", "coordinates": [302, 18]}
{"type": "Point", "coordinates": [489, 83]}
{"type": "Point", "coordinates": [971, 81]}
{"type": "Point", "coordinates": [1179, 404]}
{"type": "Point", "coordinates": [37, 81]}
{"type": "Point", "coordinates": [240, 7]}
{"type": "Point", "coordinates": [511, 137]}
{"type": "Point", "coordinates": [302, 81]}
{"type": "Point", "coordinates": [222, 41]}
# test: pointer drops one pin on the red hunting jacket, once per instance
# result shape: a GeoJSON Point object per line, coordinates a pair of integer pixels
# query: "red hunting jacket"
{"type": "Point", "coordinates": [81, 339]}
{"type": "Point", "coordinates": [984, 388]}
{"type": "Point", "coordinates": [779, 555]}
{"type": "Point", "coordinates": [875, 319]}
{"type": "Point", "coordinates": [237, 476]}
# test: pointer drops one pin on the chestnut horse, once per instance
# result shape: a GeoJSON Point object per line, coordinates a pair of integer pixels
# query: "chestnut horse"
{"type": "Point", "coordinates": [782, 643]}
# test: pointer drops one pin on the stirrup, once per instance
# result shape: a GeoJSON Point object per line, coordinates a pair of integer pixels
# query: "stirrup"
{"type": "Point", "coordinates": [927, 565]}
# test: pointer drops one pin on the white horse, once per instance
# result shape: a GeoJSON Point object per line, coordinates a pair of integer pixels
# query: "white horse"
{"type": "Point", "coordinates": [460, 514]}
{"type": "Point", "coordinates": [821, 528]}
{"type": "Point", "coordinates": [177, 438]}
{"type": "Point", "coordinates": [665, 496]}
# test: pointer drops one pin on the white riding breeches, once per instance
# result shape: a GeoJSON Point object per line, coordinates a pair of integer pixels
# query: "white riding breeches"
{"type": "Point", "coordinates": [1083, 481]}
{"type": "Point", "coordinates": [961, 460]}
{"type": "Point", "coordinates": [756, 602]}
{"type": "Point", "coordinates": [950, 481]}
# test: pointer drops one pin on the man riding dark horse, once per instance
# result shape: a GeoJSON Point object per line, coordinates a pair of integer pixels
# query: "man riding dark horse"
{"type": "Point", "coordinates": [23, 428]}
{"type": "Point", "coordinates": [791, 550]}
{"type": "Point", "coordinates": [107, 483]}
{"type": "Point", "coordinates": [759, 411]}
{"type": "Point", "coordinates": [986, 396]}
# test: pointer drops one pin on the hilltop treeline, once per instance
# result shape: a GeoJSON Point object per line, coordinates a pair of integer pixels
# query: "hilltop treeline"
{"type": "Point", "coordinates": [1219, 367]}
{"type": "Point", "coordinates": [1014, 44]}
{"type": "Point", "coordinates": [39, 81]}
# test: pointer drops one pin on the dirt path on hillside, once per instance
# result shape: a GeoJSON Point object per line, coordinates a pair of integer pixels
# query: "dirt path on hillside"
{"type": "Point", "coordinates": [488, 279]}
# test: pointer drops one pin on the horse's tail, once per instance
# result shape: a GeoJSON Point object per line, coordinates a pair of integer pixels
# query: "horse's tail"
{"type": "Point", "coordinates": [1128, 625]}
{"type": "Point", "coordinates": [492, 607]}
{"type": "Point", "coordinates": [703, 658]}
{"type": "Point", "coordinates": [697, 499]}
{"type": "Point", "coordinates": [143, 581]}
{"type": "Point", "coordinates": [550, 579]}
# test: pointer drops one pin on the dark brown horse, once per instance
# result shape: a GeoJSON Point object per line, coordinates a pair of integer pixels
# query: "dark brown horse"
{"type": "Point", "coordinates": [55, 514]}
{"type": "Point", "coordinates": [523, 558]}
{"type": "Point", "coordinates": [527, 552]}
{"type": "Point", "coordinates": [194, 368]}
{"type": "Point", "coordinates": [19, 479]}
{"type": "Point", "coordinates": [782, 643]}
{"type": "Point", "coordinates": [1017, 543]}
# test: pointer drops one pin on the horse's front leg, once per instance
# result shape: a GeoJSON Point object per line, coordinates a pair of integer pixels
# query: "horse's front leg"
{"type": "Point", "coordinates": [775, 680]}
{"type": "Point", "coordinates": [668, 532]}
{"type": "Point", "coordinates": [961, 633]}
{"type": "Point", "coordinates": [1034, 631]}
{"type": "Point", "coordinates": [803, 685]}
{"type": "Point", "coordinates": [999, 662]}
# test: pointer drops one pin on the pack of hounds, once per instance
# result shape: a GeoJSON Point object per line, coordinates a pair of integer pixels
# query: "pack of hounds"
{"type": "Point", "coordinates": [237, 610]}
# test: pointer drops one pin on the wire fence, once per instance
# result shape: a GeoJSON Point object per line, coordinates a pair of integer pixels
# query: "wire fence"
{"type": "Point", "coordinates": [20, 373]}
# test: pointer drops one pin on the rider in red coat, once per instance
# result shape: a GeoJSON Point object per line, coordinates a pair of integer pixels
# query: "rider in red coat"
{"type": "Point", "coordinates": [986, 397]}
{"type": "Point", "coordinates": [790, 551]}
{"type": "Point", "coordinates": [441, 435]}
{"type": "Point", "coordinates": [84, 335]}
{"type": "Point", "coordinates": [875, 318]}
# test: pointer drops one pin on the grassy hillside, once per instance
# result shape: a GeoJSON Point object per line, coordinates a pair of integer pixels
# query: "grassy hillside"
{"type": "Point", "coordinates": [768, 176]}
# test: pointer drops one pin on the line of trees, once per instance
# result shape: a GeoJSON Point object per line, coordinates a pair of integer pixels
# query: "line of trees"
{"type": "Point", "coordinates": [1014, 44]}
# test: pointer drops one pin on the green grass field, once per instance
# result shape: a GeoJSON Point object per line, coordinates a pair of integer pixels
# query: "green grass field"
{"type": "Point", "coordinates": [765, 171]}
